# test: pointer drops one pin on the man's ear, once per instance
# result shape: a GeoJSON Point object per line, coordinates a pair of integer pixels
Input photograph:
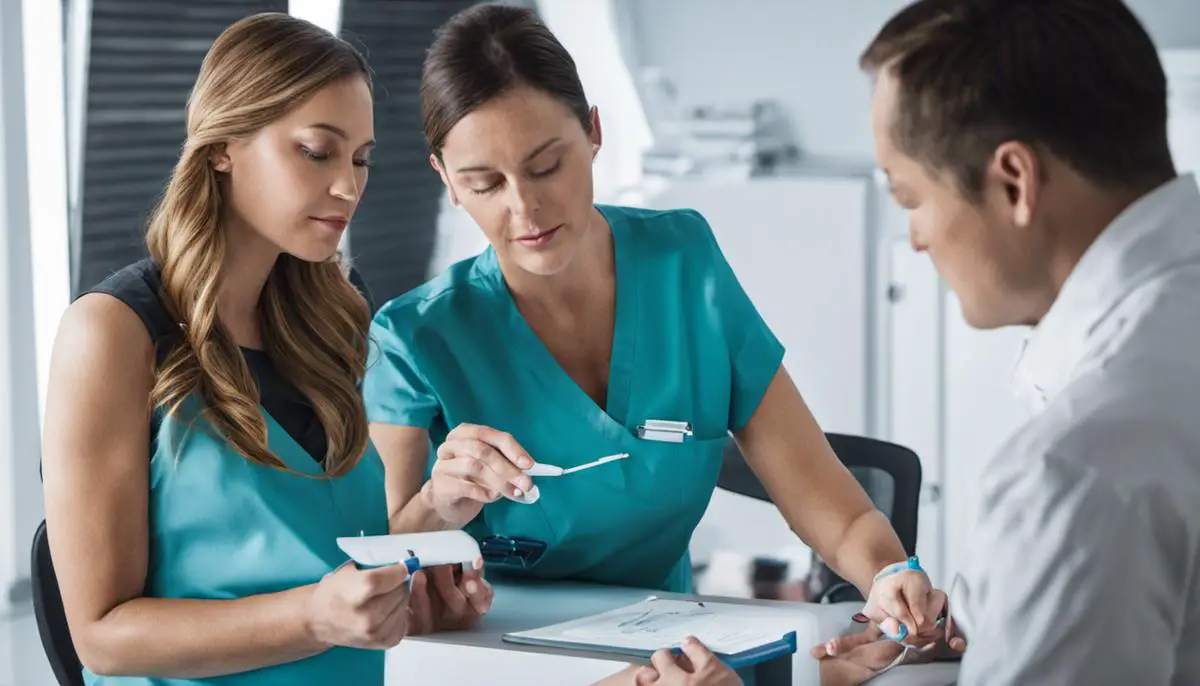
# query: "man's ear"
{"type": "Point", "coordinates": [596, 136]}
{"type": "Point", "coordinates": [1018, 169]}
{"type": "Point", "coordinates": [437, 166]}
{"type": "Point", "coordinates": [219, 159]}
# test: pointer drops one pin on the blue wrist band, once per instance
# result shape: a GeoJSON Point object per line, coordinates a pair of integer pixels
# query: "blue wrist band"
{"type": "Point", "coordinates": [911, 564]}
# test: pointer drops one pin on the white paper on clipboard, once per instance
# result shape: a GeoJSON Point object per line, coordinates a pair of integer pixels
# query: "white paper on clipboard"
{"type": "Point", "coordinates": [657, 623]}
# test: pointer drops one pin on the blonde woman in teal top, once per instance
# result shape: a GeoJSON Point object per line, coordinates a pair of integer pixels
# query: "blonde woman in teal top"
{"type": "Point", "coordinates": [205, 440]}
{"type": "Point", "coordinates": [570, 335]}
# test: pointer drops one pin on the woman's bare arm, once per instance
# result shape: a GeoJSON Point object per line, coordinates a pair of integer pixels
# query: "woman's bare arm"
{"type": "Point", "coordinates": [405, 454]}
{"type": "Point", "coordinates": [817, 495]}
{"type": "Point", "coordinates": [96, 483]}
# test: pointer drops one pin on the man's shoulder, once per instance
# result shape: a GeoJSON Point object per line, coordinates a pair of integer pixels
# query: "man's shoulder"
{"type": "Point", "coordinates": [1129, 429]}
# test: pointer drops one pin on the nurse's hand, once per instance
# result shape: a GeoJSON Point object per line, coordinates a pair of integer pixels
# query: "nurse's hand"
{"type": "Point", "coordinates": [696, 667]}
{"type": "Point", "coordinates": [442, 603]}
{"type": "Point", "coordinates": [476, 465]}
{"type": "Point", "coordinates": [360, 608]}
{"type": "Point", "coordinates": [907, 598]}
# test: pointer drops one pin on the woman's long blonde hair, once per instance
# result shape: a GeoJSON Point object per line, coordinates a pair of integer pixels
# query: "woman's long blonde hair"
{"type": "Point", "coordinates": [314, 321]}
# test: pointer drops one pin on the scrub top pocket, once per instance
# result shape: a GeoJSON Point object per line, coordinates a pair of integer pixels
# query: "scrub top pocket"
{"type": "Point", "coordinates": [676, 476]}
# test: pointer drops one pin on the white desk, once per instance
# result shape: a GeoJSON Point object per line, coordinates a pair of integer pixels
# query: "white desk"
{"type": "Point", "coordinates": [481, 658]}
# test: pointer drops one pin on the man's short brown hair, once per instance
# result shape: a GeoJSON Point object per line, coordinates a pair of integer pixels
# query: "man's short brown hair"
{"type": "Point", "coordinates": [1080, 79]}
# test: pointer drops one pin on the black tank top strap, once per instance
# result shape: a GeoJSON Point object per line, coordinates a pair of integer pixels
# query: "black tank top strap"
{"type": "Point", "coordinates": [139, 286]}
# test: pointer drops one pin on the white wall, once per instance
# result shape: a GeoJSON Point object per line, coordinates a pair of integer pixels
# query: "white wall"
{"type": "Point", "coordinates": [805, 54]}
{"type": "Point", "coordinates": [20, 499]}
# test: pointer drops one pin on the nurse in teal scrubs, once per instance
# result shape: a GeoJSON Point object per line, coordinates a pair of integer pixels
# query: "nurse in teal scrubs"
{"type": "Point", "coordinates": [205, 439]}
{"type": "Point", "coordinates": [578, 329]}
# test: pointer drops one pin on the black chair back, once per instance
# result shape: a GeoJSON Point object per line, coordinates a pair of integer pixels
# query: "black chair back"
{"type": "Point", "coordinates": [51, 618]}
{"type": "Point", "coordinates": [890, 473]}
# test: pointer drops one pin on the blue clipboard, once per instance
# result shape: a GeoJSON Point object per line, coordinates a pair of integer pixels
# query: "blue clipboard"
{"type": "Point", "coordinates": [738, 661]}
{"type": "Point", "coordinates": [745, 658]}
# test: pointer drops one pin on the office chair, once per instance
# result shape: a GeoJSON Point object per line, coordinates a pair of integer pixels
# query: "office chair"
{"type": "Point", "coordinates": [51, 618]}
{"type": "Point", "coordinates": [890, 473]}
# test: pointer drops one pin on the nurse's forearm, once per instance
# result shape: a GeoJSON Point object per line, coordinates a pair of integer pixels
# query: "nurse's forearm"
{"type": "Point", "coordinates": [159, 637]}
{"type": "Point", "coordinates": [418, 515]}
{"type": "Point", "coordinates": [869, 544]}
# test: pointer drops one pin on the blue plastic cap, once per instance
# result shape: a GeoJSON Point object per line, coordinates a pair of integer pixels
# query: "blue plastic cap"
{"type": "Point", "coordinates": [900, 636]}
{"type": "Point", "coordinates": [412, 564]}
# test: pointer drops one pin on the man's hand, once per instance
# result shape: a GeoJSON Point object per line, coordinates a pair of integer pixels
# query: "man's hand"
{"type": "Point", "coordinates": [849, 660]}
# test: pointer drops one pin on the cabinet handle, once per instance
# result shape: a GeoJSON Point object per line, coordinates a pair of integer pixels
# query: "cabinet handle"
{"type": "Point", "coordinates": [931, 493]}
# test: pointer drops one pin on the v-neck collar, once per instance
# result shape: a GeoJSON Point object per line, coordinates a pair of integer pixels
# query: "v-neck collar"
{"type": "Point", "coordinates": [612, 418]}
{"type": "Point", "coordinates": [288, 449]}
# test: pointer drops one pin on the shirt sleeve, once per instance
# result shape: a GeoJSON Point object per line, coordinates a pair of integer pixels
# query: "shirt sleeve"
{"type": "Point", "coordinates": [755, 353]}
{"type": "Point", "coordinates": [394, 390]}
{"type": "Point", "coordinates": [1081, 581]}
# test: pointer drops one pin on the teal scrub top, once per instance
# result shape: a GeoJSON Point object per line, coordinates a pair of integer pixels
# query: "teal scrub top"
{"type": "Point", "coordinates": [688, 346]}
{"type": "Point", "coordinates": [222, 527]}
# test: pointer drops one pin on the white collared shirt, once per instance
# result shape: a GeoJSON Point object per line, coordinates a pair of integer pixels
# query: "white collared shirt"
{"type": "Point", "coordinates": [1085, 565]}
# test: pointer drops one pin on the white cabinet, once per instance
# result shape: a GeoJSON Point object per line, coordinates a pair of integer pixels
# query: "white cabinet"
{"type": "Point", "coordinates": [981, 411]}
{"type": "Point", "coordinates": [799, 247]}
{"type": "Point", "coordinates": [913, 381]}
{"type": "Point", "coordinates": [949, 400]}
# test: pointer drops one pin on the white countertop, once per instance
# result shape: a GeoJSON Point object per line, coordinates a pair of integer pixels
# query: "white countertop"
{"type": "Point", "coordinates": [481, 657]}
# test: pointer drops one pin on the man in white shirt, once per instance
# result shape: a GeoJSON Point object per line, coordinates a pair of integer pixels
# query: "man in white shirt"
{"type": "Point", "coordinates": [1027, 139]}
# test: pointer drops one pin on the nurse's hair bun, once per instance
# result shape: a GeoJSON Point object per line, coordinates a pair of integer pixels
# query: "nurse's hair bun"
{"type": "Point", "coordinates": [485, 51]}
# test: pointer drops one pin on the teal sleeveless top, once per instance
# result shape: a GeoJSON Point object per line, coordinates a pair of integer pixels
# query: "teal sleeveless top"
{"type": "Point", "coordinates": [222, 527]}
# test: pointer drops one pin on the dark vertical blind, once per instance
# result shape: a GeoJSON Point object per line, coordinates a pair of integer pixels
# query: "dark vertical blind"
{"type": "Point", "coordinates": [395, 227]}
{"type": "Point", "coordinates": [143, 58]}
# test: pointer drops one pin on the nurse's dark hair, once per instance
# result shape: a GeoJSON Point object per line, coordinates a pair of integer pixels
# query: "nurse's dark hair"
{"type": "Point", "coordinates": [485, 51]}
{"type": "Point", "coordinates": [314, 321]}
{"type": "Point", "coordinates": [1079, 79]}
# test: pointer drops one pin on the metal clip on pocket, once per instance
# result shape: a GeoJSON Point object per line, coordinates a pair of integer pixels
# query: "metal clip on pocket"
{"type": "Point", "coordinates": [665, 431]}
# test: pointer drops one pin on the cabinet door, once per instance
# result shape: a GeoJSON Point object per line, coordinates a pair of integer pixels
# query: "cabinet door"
{"type": "Point", "coordinates": [799, 249]}
{"type": "Point", "coordinates": [914, 385]}
{"type": "Point", "coordinates": [981, 411]}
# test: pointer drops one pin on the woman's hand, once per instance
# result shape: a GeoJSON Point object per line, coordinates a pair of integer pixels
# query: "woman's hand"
{"type": "Point", "coordinates": [440, 603]}
{"type": "Point", "coordinates": [905, 598]}
{"type": "Point", "coordinates": [476, 465]}
{"type": "Point", "coordinates": [697, 666]}
{"type": "Point", "coordinates": [360, 608]}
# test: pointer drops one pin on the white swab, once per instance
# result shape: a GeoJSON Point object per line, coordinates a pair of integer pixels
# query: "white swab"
{"type": "Point", "coordinates": [552, 470]}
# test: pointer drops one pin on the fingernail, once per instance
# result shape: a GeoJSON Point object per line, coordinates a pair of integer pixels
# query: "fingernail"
{"type": "Point", "coordinates": [831, 648]}
{"type": "Point", "coordinates": [472, 587]}
{"type": "Point", "coordinates": [517, 493]}
{"type": "Point", "coordinates": [526, 461]}
{"type": "Point", "coordinates": [478, 563]}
